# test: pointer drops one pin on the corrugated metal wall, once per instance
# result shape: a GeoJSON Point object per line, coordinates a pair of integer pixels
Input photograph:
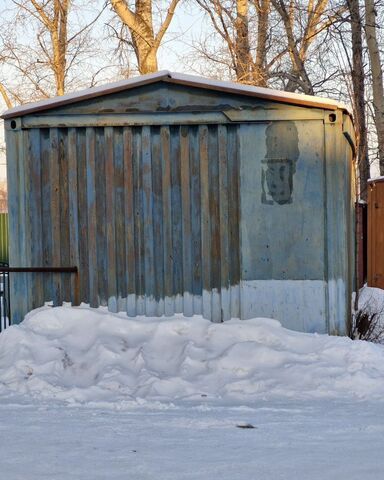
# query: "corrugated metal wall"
{"type": "Point", "coordinates": [149, 214]}
{"type": "Point", "coordinates": [173, 199]}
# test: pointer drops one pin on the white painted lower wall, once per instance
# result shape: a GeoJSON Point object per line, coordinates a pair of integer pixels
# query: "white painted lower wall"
{"type": "Point", "coordinates": [298, 304]}
{"type": "Point", "coordinates": [302, 305]}
{"type": "Point", "coordinates": [337, 306]}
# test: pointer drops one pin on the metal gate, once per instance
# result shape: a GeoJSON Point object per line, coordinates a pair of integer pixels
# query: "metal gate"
{"type": "Point", "coordinates": [5, 270]}
{"type": "Point", "coordinates": [5, 314]}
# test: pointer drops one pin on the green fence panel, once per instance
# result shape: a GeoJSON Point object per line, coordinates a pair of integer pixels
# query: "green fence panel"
{"type": "Point", "coordinates": [4, 251]}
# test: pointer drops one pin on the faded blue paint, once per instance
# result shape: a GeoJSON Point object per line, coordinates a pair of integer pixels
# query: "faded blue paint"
{"type": "Point", "coordinates": [227, 205]}
{"type": "Point", "coordinates": [283, 241]}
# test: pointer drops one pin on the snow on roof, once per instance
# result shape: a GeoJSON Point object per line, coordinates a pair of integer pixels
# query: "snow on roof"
{"type": "Point", "coordinates": [376, 179]}
{"type": "Point", "coordinates": [180, 79]}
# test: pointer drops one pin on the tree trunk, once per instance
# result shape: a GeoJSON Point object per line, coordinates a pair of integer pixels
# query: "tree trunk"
{"type": "Point", "coordinates": [148, 63]}
{"type": "Point", "coordinates": [377, 77]}
{"type": "Point", "coordinates": [243, 54]}
{"type": "Point", "coordinates": [259, 73]}
{"type": "Point", "coordinates": [359, 95]}
{"type": "Point", "coordinates": [140, 25]}
{"type": "Point", "coordinates": [143, 39]}
{"type": "Point", "coordinates": [298, 64]}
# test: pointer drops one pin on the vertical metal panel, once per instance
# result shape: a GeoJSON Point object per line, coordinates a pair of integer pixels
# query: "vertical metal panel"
{"type": "Point", "coordinates": [194, 152]}
{"type": "Point", "coordinates": [205, 222]}
{"type": "Point", "coordinates": [234, 220]}
{"type": "Point", "coordinates": [35, 215]}
{"type": "Point", "coordinates": [92, 215]}
{"type": "Point", "coordinates": [147, 222]}
{"type": "Point", "coordinates": [337, 177]}
{"type": "Point", "coordinates": [177, 212]}
{"type": "Point", "coordinates": [54, 179]}
{"type": "Point", "coordinates": [23, 171]}
{"type": "Point", "coordinates": [74, 256]}
{"type": "Point", "coordinates": [46, 210]}
{"type": "Point", "coordinates": [101, 217]}
{"type": "Point", "coordinates": [118, 155]}
{"type": "Point", "coordinates": [224, 244]}
{"type": "Point", "coordinates": [157, 216]}
{"type": "Point", "coordinates": [351, 278]}
{"type": "Point", "coordinates": [14, 225]}
{"type": "Point", "coordinates": [282, 239]}
{"type": "Point", "coordinates": [82, 195]}
{"type": "Point", "coordinates": [110, 219]}
{"type": "Point", "coordinates": [129, 222]}
{"type": "Point", "coordinates": [169, 308]}
{"type": "Point", "coordinates": [139, 227]}
{"type": "Point", "coordinates": [63, 191]}
{"type": "Point", "coordinates": [186, 221]}
{"type": "Point", "coordinates": [214, 214]}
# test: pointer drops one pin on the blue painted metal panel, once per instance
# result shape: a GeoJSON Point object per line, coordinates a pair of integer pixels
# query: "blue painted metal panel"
{"type": "Point", "coordinates": [227, 219]}
{"type": "Point", "coordinates": [282, 192]}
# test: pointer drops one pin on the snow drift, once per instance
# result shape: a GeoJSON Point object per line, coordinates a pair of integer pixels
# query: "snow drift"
{"type": "Point", "coordinates": [87, 355]}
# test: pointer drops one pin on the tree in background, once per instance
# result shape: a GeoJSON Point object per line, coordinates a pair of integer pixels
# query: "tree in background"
{"type": "Point", "coordinates": [242, 52]}
{"type": "Point", "coordinates": [45, 47]}
{"type": "Point", "coordinates": [358, 93]}
{"type": "Point", "coordinates": [139, 22]}
{"type": "Point", "coordinates": [371, 27]}
{"type": "Point", "coordinates": [303, 23]}
{"type": "Point", "coordinates": [295, 42]}
{"type": "Point", "coordinates": [268, 42]}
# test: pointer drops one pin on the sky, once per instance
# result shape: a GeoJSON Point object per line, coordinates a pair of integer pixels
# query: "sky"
{"type": "Point", "coordinates": [186, 27]}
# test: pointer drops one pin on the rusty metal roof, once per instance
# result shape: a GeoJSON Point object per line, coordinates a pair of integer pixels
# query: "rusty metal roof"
{"type": "Point", "coordinates": [180, 79]}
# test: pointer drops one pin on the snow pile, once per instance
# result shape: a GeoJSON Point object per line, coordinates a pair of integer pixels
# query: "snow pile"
{"type": "Point", "coordinates": [372, 300]}
{"type": "Point", "coordinates": [86, 355]}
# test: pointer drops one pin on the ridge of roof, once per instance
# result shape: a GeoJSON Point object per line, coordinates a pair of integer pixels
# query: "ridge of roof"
{"type": "Point", "coordinates": [180, 79]}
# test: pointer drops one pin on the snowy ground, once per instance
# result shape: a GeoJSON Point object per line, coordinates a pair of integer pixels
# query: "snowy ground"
{"type": "Point", "coordinates": [89, 395]}
{"type": "Point", "coordinates": [292, 440]}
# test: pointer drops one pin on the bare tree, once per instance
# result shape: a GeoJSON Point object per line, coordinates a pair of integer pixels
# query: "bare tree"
{"type": "Point", "coordinates": [55, 20]}
{"type": "Point", "coordinates": [303, 24]}
{"type": "Point", "coordinates": [44, 44]}
{"type": "Point", "coordinates": [358, 82]}
{"type": "Point", "coordinates": [241, 46]}
{"type": "Point", "coordinates": [260, 69]}
{"type": "Point", "coordinates": [140, 24]}
{"type": "Point", "coordinates": [271, 41]}
{"type": "Point", "coordinates": [297, 54]}
{"type": "Point", "coordinates": [230, 20]}
{"type": "Point", "coordinates": [377, 76]}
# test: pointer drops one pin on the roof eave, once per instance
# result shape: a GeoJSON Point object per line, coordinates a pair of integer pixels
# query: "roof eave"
{"type": "Point", "coordinates": [86, 94]}
{"type": "Point", "coordinates": [179, 79]}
